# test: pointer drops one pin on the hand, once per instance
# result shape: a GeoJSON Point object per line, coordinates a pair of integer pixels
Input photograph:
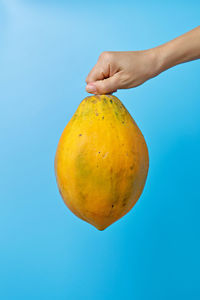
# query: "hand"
{"type": "Point", "coordinates": [127, 69]}
{"type": "Point", "coordinates": [122, 70]}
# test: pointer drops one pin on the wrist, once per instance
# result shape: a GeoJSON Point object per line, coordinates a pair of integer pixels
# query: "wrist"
{"type": "Point", "coordinates": [177, 51]}
{"type": "Point", "coordinates": [161, 59]}
{"type": "Point", "coordinates": [167, 56]}
{"type": "Point", "coordinates": [155, 56]}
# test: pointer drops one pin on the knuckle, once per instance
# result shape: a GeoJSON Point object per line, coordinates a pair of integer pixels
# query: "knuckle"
{"type": "Point", "coordinates": [105, 55]}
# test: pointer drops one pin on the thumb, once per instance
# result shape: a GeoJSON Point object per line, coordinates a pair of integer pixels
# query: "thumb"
{"type": "Point", "coordinates": [105, 86]}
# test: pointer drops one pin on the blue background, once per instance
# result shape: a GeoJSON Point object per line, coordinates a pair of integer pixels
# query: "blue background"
{"type": "Point", "coordinates": [47, 49]}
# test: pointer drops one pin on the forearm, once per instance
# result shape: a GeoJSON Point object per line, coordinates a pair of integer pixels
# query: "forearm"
{"type": "Point", "coordinates": [180, 50]}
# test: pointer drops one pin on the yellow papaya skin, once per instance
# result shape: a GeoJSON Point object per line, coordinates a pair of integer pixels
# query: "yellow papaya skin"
{"type": "Point", "coordinates": [101, 162]}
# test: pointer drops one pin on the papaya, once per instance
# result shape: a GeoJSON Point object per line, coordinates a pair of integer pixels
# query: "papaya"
{"type": "Point", "coordinates": [101, 161]}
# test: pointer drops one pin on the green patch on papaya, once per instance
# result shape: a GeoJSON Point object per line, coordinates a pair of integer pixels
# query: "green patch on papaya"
{"type": "Point", "coordinates": [82, 166]}
{"type": "Point", "coordinates": [105, 100]}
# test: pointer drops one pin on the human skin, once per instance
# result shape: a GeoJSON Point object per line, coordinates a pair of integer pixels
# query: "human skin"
{"type": "Point", "coordinates": [127, 69]}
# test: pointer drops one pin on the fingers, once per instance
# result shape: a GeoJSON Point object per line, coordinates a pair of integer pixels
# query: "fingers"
{"type": "Point", "coordinates": [104, 77]}
{"type": "Point", "coordinates": [105, 86]}
{"type": "Point", "coordinates": [102, 69]}
{"type": "Point", "coordinates": [97, 73]}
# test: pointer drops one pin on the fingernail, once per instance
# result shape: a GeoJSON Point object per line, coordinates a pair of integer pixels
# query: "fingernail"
{"type": "Point", "coordinates": [91, 88]}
